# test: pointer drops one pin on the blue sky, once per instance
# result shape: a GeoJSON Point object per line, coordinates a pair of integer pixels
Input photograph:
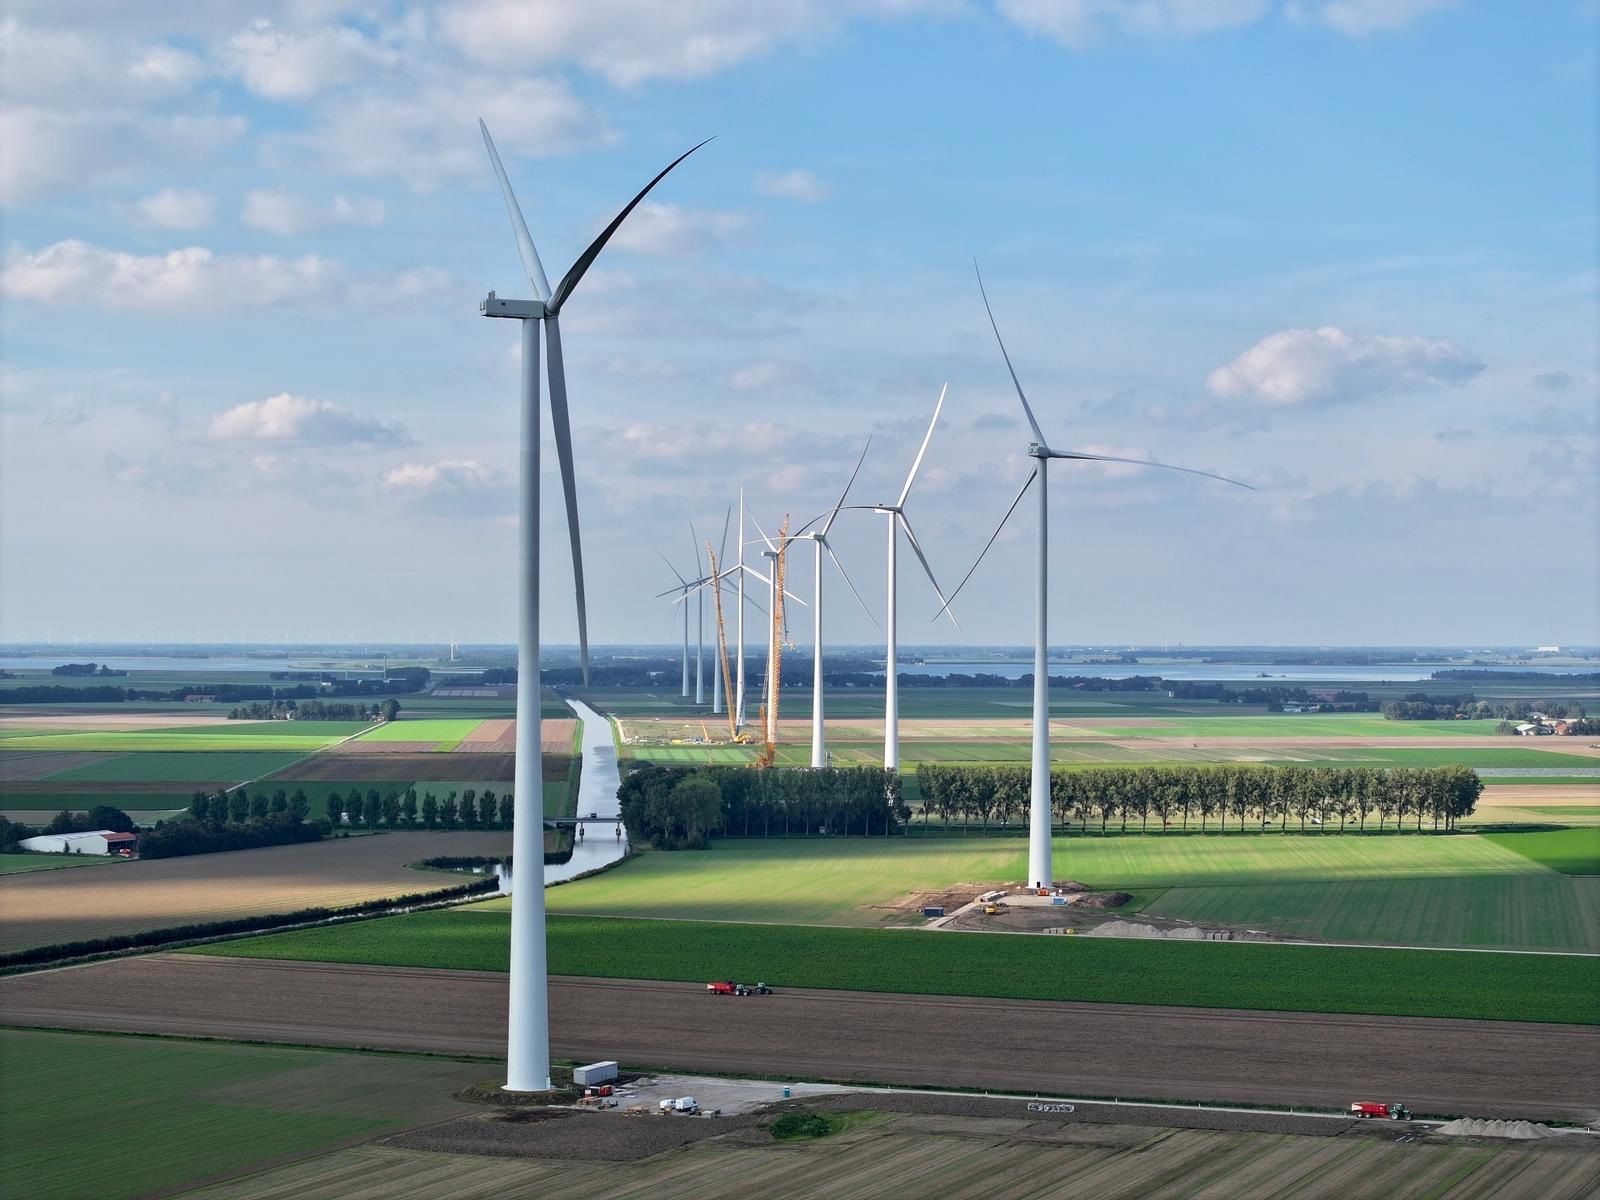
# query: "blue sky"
{"type": "Point", "coordinates": [1342, 249]}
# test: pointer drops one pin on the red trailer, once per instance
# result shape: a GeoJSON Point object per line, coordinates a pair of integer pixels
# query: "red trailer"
{"type": "Point", "coordinates": [1366, 1109]}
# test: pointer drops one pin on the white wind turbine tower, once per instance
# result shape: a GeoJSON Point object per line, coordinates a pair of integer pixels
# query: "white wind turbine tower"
{"type": "Point", "coordinates": [1040, 871]}
{"type": "Point", "coordinates": [528, 1030]}
{"type": "Point", "coordinates": [896, 513]}
{"type": "Point", "coordinates": [819, 541]}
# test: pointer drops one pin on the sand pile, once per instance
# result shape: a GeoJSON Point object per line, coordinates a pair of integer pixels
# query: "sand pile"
{"type": "Point", "coordinates": [1472, 1127]}
{"type": "Point", "coordinates": [1186, 933]}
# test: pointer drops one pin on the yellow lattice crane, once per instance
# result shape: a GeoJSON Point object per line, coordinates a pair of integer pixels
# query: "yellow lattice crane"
{"type": "Point", "coordinates": [769, 751]}
{"type": "Point", "coordinates": [722, 644]}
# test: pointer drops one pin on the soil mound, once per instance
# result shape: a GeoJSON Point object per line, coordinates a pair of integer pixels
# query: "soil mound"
{"type": "Point", "coordinates": [1186, 933]}
{"type": "Point", "coordinates": [1472, 1127]}
{"type": "Point", "coordinates": [1104, 899]}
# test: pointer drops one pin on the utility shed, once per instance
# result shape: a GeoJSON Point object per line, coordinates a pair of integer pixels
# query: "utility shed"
{"type": "Point", "coordinates": [95, 841]}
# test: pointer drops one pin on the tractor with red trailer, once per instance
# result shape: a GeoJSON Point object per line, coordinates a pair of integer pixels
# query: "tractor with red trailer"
{"type": "Point", "coordinates": [1367, 1109]}
{"type": "Point", "coordinates": [727, 987]}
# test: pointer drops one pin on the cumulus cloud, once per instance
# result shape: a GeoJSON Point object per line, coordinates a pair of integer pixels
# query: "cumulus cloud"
{"type": "Point", "coordinates": [283, 65]}
{"type": "Point", "coordinates": [48, 151]}
{"type": "Point", "coordinates": [195, 279]}
{"type": "Point", "coordinates": [285, 213]}
{"type": "Point", "coordinates": [460, 487]}
{"type": "Point", "coordinates": [792, 185]}
{"type": "Point", "coordinates": [187, 280]}
{"type": "Point", "coordinates": [1328, 365]}
{"type": "Point", "coordinates": [760, 376]}
{"type": "Point", "coordinates": [426, 135]}
{"type": "Point", "coordinates": [667, 229]}
{"type": "Point", "coordinates": [630, 41]}
{"type": "Point", "coordinates": [176, 208]}
{"type": "Point", "coordinates": [299, 420]}
{"type": "Point", "coordinates": [1079, 22]}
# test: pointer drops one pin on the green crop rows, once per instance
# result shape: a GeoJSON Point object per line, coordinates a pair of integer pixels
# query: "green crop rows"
{"type": "Point", "coordinates": [1108, 970]}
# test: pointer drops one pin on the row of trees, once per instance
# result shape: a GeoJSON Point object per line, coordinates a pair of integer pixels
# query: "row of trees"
{"type": "Point", "coordinates": [395, 809]}
{"type": "Point", "coordinates": [675, 808]}
{"type": "Point", "coordinates": [1420, 706]}
{"type": "Point", "coordinates": [315, 710]}
{"type": "Point", "coordinates": [1200, 796]}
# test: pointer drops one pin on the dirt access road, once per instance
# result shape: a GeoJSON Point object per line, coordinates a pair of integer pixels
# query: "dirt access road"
{"type": "Point", "coordinates": [1480, 1068]}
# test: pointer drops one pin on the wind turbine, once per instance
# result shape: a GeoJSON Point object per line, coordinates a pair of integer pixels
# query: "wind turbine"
{"type": "Point", "coordinates": [819, 541]}
{"type": "Point", "coordinates": [682, 592]}
{"type": "Point", "coordinates": [528, 1030]}
{"type": "Point", "coordinates": [1040, 872]}
{"type": "Point", "coordinates": [699, 621]}
{"type": "Point", "coordinates": [896, 513]}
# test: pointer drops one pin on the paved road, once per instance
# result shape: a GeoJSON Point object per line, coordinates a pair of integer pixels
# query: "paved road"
{"type": "Point", "coordinates": [1481, 1068]}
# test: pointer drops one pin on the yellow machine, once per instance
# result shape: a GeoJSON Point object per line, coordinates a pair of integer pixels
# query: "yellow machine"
{"type": "Point", "coordinates": [769, 751]}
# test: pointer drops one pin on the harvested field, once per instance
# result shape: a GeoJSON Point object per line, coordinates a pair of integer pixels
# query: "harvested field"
{"type": "Point", "coordinates": [46, 907]}
{"type": "Point", "coordinates": [343, 764]}
{"type": "Point", "coordinates": [953, 1158]}
{"type": "Point", "coordinates": [199, 766]}
{"type": "Point", "coordinates": [106, 722]}
{"type": "Point", "coordinates": [28, 765]}
{"type": "Point", "coordinates": [1486, 1068]}
{"type": "Point", "coordinates": [362, 746]}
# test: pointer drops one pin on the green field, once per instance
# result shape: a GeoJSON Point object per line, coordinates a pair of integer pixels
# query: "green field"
{"type": "Point", "coordinates": [18, 864]}
{"type": "Point", "coordinates": [233, 735]}
{"type": "Point", "coordinates": [1570, 851]}
{"type": "Point", "coordinates": [448, 731]}
{"type": "Point", "coordinates": [843, 881]}
{"type": "Point", "coordinates": [1524, 987]}
{"type": "Point", "coordinates": [54, 802]}
{"type": "Point", "coordinates": [91, 1115]}
{"type": "Point", "coordinates": [183, 766]}
{"type": "Point", "coordinates": [1536, 911]}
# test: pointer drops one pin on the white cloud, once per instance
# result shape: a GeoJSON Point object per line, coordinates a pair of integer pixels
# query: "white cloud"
{"type": "Point", "coordinates": [792, 185]}
{"type": "Point", "coordinates": [450, 487]}
{"type": "Point", "coordinates": [630, 41]}
{"type": "Point", "coordinates": [769, 374]}
{"type": "Point", "coordinates": [1310, 366]}
{"type": "Point", "coordinates": [187, 280]}
{"type": "Point", "coordinates": [1357, 18]}
{"type": "Point", "coordinates": [195, 279]}
{"type": "Point", "coordinates": [177, 208]}
{"type": "Point", "coordinates": [284, 65]}
{"type": "Point", "coordinates": [287, 214]}
{"type": "Point", "coordinates": [1078, 22]}
{"type": "Point", "coordinates": [49, 151]}
{"type": "Point", "coordinates": [167, 68]}
{"type": "Point", "coordinates": [668, 229]}
{"type": "Point", "coordinates": [429, 134]}
{"type": "Point", "coordinates": [286, 418]}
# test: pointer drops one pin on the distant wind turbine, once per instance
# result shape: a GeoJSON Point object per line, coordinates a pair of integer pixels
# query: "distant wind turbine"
{"type": "Point", "coordinates": [1039, 822]}
{"type": "Point", "coordinates": [528, 1030]}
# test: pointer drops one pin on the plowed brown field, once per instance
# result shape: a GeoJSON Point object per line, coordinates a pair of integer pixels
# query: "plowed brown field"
{"type": "Point", "coordinates": [42, 907]}
{"type": "Point", "coordinates": [1485, 1068]}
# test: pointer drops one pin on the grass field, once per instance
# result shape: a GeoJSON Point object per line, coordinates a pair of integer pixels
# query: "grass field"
{"type": "Point", "coordinates": [82, 801]}
{"type": "Point", "coordinates": [232, 735]}
{"type": "Point", "coordinates": [182, 766]}
{"type": "Point", "coordinates": [86, 1115]}
{"type": "Point", "coordinates": [445, 731]}
{"type": "Point", "coordinates": [1570, 851]}
{"type": "Point", "coordinates": [1110, 970]}
{"type": "Point", "coordinates": [21, 864]}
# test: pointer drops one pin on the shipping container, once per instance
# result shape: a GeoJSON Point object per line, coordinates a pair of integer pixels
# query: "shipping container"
{"type": "Point", "coordinates": [594, 1073]}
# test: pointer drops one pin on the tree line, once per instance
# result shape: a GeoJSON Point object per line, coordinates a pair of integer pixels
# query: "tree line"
{"type": "Point", "coordinates": [1420, 706]}
{"type": "Point", "coordinates": [680, 808]}
{"type": "Point", "coordinates": [315, 710]}
{"type": "Point", "coordinates": [1197, 796]}
{"type": "Point", "coordinates": [397, 809]}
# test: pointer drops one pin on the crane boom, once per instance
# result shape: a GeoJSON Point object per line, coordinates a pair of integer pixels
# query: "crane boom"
{"type": "Point", "coordinates": [722, 641]}
{"type": "Point", "coordinates": [769, 753]}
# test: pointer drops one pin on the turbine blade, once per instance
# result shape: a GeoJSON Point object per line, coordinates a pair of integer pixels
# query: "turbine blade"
{"type": "Point", "coordinates": [1145, 462]}
{"type": "Point", "coordinates": [763, 533]}
{"type": "Point", "coordinates": [671, 568]}
{"type": "Point", "coordinates": [1038, 434]}
{"type": "Point", "coordinates": [569, 281]}
{"type": "Point", "coordinates": [525, 247]}
{"type": "Point", "coordinates": [1026, 484]}
{"type": "Point", "coordinates": [845, 495]}
{"type": "Point", "coordinates": [922, 558]}
{"type": "Point", "coordinates": [926, 438]}
{"type": "Point", "coordinates": [562, 428]}
{"type": "Point", "coordinates": [722, 546]}
{"type": "Point", "coordinates": [695, 538]}
{"type": "Point", "coordinates": [829, 548]}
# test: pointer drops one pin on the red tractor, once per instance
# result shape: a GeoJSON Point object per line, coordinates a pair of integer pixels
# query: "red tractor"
{"type": "Point", "coordinates": [1366, 1109]}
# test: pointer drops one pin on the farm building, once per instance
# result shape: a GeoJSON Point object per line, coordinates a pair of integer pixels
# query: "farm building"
{"type": "Point", "coordinates": [95, 841]}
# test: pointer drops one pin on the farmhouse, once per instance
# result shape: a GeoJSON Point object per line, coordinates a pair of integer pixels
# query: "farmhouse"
{"type": "Point", "coordinates": [1530, 729]}
{"type": "Point", "coordinates": [95, 841]}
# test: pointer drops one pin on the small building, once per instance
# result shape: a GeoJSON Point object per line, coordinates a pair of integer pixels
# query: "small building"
{"type": "Point", "coordinates": [1529, 729]}
{"type": "Point", "coordinates": [94, 841]}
